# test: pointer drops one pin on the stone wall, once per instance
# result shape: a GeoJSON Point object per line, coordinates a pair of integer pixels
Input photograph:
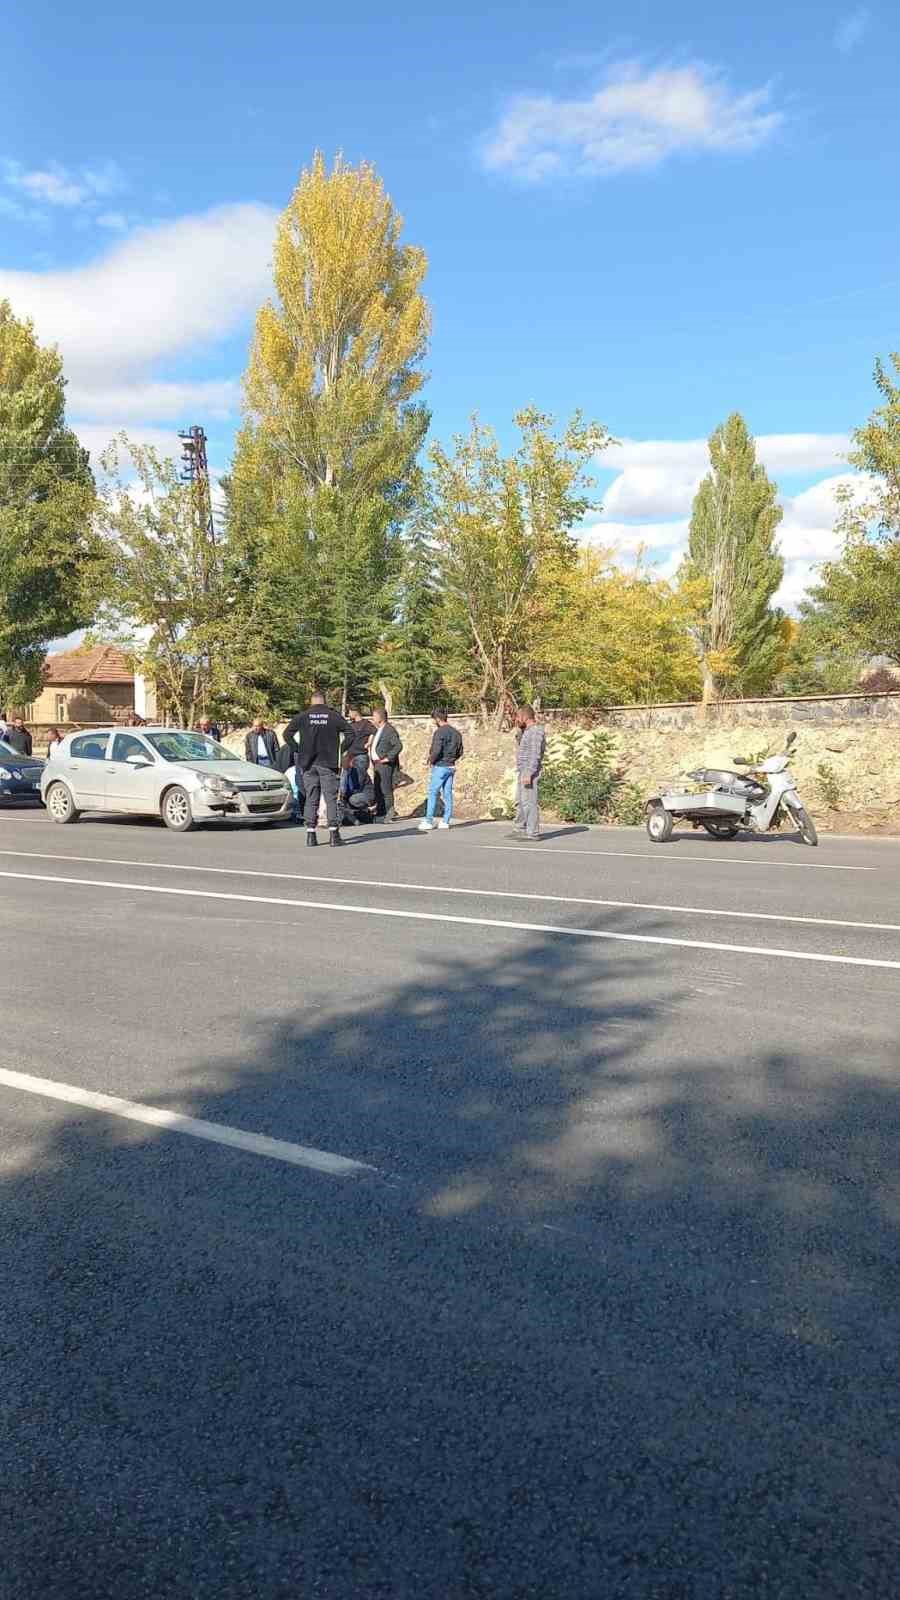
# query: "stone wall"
{"type": "Point", "coordinates": [815, 710]}
{"type": "Point", "coordinates": [688, 715]}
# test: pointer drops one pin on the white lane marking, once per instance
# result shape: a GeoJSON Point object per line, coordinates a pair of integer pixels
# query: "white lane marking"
{"type": "Point", "coordinates": [469, 922]}
{"type": "Point", "coordinates": [486, 894]}
{"type": "Point", "coordinates": [258, 1144]}
{"type": "Point", "coordinates": [644, 855]}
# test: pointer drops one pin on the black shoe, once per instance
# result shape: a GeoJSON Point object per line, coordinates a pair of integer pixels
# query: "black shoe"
{"type": "Point", "coordinates": [334, 837]}
{"type": "Point", "coordinates": [312, 837]}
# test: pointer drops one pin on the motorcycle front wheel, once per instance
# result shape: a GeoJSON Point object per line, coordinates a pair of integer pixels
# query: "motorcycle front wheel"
{"type": "Point", "coordinates": [805, 824]}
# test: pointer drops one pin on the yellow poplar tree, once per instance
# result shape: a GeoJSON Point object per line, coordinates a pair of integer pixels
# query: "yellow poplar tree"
{"type": "Point", "coordinates": [323, 466]}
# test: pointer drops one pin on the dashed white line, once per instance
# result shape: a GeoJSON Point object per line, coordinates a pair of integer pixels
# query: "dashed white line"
{"type": "Point", "coordinates": [471, 922]}
{"type": "Point", "coordinates": [258, 1144]}
{"type": "Point", "coordinates": [438, 888]}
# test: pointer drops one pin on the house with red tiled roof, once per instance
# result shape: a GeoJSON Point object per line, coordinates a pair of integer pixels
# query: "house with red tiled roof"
{"type": "Point", "coordinates": [95, 685]}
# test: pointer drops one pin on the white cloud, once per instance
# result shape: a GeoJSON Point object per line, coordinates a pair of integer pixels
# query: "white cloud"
{"type": "Point", "coordinates": [119, 319]}
{"type": "Point", "coordinates": [659, 477]}
{"type": "Point", "coordinates": [150, 299]}
{"type": "Point", "coordinates": [850, 29]}
{"type": "Point", "coordinates": [56, 185]}
{"type": "Point", "coordinates": [636, 120]}
{"type": "Point", "coordinates": [95, 436]}
{"type": "Point", "coordinates": [115, 221]}
{"type": "Point", "coordinates": [152, 296]}
{"type": "Point", "coordinates": [215, 399]}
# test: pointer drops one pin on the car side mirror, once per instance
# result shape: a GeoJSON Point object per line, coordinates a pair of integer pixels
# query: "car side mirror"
{"type": "Point", "coordinates": [137, 761]}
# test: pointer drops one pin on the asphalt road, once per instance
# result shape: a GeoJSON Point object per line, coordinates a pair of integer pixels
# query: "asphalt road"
{"type": "Point", "coordinates": [573, 1271]}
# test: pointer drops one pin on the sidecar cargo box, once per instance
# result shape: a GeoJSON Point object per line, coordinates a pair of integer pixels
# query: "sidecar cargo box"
{"type": "Point", "coordinates": [712, 803]}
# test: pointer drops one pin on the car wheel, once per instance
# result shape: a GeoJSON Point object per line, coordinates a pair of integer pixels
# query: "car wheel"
{"type": "Point", "coordinates": [176, 810]}
{"type": "Point", "coordinates": [659, 824]}
{"type": "Point", "coordinates": [60, 804]}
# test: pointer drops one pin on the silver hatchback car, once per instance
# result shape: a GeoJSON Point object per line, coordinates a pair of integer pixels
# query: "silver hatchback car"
{"type": "Point", "coordinates": [185, 778]}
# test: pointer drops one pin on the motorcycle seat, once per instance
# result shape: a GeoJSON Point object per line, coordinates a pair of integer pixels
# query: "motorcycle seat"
{"type": "Point", "coordinates": [718, 777]}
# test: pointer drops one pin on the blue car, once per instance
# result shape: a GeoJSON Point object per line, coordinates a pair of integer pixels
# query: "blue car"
{"type": "Point", "coordinates": [20, 776]}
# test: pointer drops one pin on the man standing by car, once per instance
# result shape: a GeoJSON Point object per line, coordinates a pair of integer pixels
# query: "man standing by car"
{"type": "Point", "coordinates": [18, 738]}
{"type": "Point", "coordinates": [529, 761]}
{"type": "Point", "coordinates": [261, 745]}
{"type": "Point", "coordinates": [384, 752]}
{"type": "Point", "coordinates": [446, 750]}
{"type": "Point", "coordinates": [316, 737]}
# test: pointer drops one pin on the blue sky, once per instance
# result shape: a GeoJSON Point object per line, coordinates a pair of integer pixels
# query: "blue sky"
{"type": "Point", "coordinates": [657, 217]}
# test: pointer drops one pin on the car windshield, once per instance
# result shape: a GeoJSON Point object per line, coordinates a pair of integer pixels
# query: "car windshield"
{"type": "Point", "coordinates": [176, 745]}
{"type": "Point", "coordinates": [7, 750]}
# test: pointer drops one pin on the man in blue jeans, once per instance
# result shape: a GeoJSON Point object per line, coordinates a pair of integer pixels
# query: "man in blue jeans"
{"type": "Point", "coordinates": [446, 750]}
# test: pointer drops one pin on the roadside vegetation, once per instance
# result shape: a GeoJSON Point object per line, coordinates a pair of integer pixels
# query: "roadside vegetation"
{"type": "Point", "coordinates": [355, 554]}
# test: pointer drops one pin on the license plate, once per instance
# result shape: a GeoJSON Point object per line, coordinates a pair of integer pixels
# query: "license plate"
{"type": "Point", "coordinates": [36, 785]}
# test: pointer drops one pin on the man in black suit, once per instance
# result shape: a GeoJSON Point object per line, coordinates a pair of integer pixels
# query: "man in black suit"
{"type": "Point", "coordinates": [385, 757]}
{"type": "Point", "coordinates": [261, 745]}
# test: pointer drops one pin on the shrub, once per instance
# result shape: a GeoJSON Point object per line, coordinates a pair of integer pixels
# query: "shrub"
{"type": "Point", "coordinates": [629, 805]}
{"type": "Point", "coordinates": [829, 785]}
{"type": "Point", "coordinates": [881, 681]}
{"type": "Point", "coordinates": [580, 782]}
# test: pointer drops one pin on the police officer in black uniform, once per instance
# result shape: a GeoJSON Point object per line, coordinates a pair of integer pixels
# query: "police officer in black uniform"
{"type": "Point", "coordinates": [315, 737]}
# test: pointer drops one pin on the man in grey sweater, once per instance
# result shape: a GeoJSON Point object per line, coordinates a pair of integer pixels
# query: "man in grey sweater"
{"type": "Point", "coordinates": [529, 761]}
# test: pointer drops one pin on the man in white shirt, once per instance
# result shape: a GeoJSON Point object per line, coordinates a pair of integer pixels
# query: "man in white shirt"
{"type": "Point", "coordinates": [384, 753]}
{"type": "Point", "coordinates": [261, 745]}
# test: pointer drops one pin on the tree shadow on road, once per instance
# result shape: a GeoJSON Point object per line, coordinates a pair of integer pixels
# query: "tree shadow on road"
{"type": "Point", "coordinates": [617, 1317]}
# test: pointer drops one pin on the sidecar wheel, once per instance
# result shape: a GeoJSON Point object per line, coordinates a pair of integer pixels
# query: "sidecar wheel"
{"type": "Point", "coordinates": [660, 824]}
{"type": "Point", "coordinates": [720, 830]}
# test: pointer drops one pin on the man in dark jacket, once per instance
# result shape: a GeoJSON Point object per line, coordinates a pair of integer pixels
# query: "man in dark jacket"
{"type": "Point", "coordinates": [357, 793]}
{"type": "Point", "coordinates": [315, 736]}
{"type": "Point", "coordinates": [446, 750]}
{"type": "Point", "coordinates": [19, 739]}
{"type": "Point", "coordinates": [261, 745]}
{"type": "Point", "coordinates": [384, 753]}
{"type": "Point", "coordinates": [356, 743]}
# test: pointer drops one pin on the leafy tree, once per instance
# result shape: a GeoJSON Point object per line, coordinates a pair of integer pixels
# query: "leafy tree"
{"type": "Point", "coordinates": [501, 527]}
{"type": "Point", "coordinates": [48, 545]}
{"type": "Point", "coordinates": [860, 591]}
{"type": "Point", "coordinates": [163, 590]}
{"type": "Point", "coordinates": [818, 659]}
{"type": "Point", "coordinates": [619, 638]}
{"type": "Point", "coordinates": [733, 568]}
{"type": "Point", "coordinates": [322, 472]}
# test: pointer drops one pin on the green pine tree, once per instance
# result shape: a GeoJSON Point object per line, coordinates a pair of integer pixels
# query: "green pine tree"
{"type": "Point", "coordinates": [733, 568]}
{"type": "Point", "coordinates": [412, 652]}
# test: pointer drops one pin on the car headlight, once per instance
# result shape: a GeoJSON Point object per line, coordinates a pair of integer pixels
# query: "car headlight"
{"type": "Point", "coordinates": [6, 772]}
{"type": "Point", "coordinates": [217, 785]}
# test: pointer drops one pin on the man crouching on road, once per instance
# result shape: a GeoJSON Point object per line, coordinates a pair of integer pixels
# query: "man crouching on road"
{"type": "Point", "coordinates": [316, 737]}
{"type": "Point", "coordinates": [529, 761]}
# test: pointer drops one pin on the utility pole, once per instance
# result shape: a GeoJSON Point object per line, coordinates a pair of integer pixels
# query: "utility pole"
{"type": "Point", "coordinates": [195, 472]}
